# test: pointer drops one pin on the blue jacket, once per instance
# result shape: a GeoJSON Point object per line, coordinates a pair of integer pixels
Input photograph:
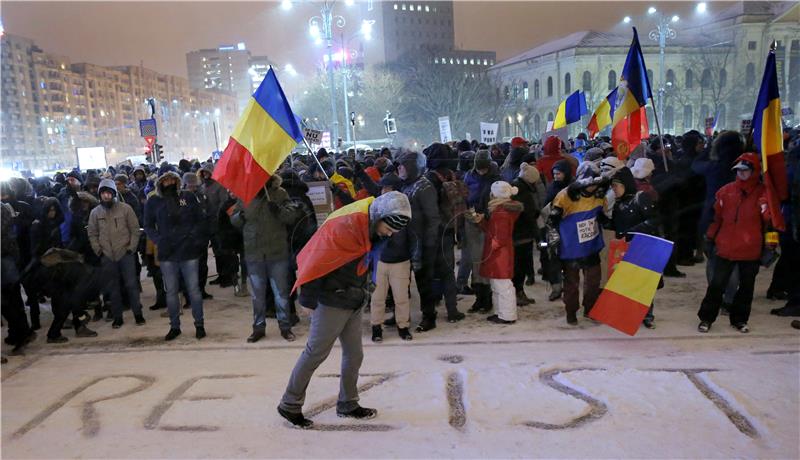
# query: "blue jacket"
{"type": "Point", "coordinates": [479, 189]}
{"type": "Point", "coordinates": [176, 225]}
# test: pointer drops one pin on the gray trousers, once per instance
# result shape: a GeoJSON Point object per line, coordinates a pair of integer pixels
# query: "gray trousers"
{"type": "Point", "coordinates": [474, 239]}
{"type": "Point", "coordinates": [328, 324]}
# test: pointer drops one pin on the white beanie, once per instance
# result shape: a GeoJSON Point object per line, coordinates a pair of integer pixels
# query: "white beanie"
{"type": "Point", "coordinates": [642, 168]}
{"type": "Point", "coordinates": [501, 189]}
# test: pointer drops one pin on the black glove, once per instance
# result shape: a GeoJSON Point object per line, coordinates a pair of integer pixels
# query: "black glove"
{"type": "Point", "coordinates": [273, 207]}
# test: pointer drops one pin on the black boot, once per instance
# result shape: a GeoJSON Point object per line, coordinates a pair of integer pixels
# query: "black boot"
{"type": "Point", "coordinates": [359, 413]}
{"type": "Point", "coordinates": [486, 298]}
{"type": "Point", "coordinates": [426, 325]}
{"type": "Point", "coordinates": [377, 333]}
{"type": "Point", "coordinates": [295, 418]}
{"type": "Point", "coordinates": [257, 335]}
{"type": "Point", "coordinates": [480, 298]}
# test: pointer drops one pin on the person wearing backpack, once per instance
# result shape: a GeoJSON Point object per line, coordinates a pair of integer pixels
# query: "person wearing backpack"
{"type": "Point", "coordinates": [451, 194]}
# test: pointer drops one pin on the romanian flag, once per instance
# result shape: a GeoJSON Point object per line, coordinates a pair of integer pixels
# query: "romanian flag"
{"type": "Point", "coordinates": [570, 110]}
{"type": "Point", "coordinates": [632, 95]}
{"type": "Point", "coordinates": [266, 133]}
{"type": "Point", "coordinates": [629, 292]}
{"type": "Point", "coordinates": [341, 239]}
{"type": "Point", "coordinates": [768, 140]}
{"type": "Point", "coordinates": [603, 115]}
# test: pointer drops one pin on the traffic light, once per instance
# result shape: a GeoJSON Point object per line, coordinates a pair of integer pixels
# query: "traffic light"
{"type": "Point", "coordinates": [159, 152]}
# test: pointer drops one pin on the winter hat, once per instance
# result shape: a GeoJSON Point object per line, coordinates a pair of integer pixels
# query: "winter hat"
{"type": "Point", "coordinates": [190, 179]}
{"type": "Point", "coordinates": [552, 146]}
{"type": "Point", "coordinates": [392, 208]}
{"type": "Point", "coordinates": [482, 159]}
{"type": "Point", "coordinates": [464, 146]}
{"type": "Point", "coordinates": [642, 168]}
{"type": "Point", "coordinates": [390, 180]}
{"type": "Point", "coordinates": [107, 184]}
{"type": "Point", "coordinates": [749, 161]}
{"type": "Point", "coordinates": [587, 173]}
{"type": "Point", "coordinates": [594, 154]}
{"type": "Point", "coordinates": [625, 177]}
{"type": "Point", "coordinates": [518, 142]}
{"type": "Point", "coordinates": [501, 189]}
{"type": "Point", "coordinates": [121, 178]}
{"type": "Point", "coordinates": [75, 175]}
{"type": "Point", "coordinates": [529, 173]}
{"type": "Point", "coordinates": [439, 156]}
{"type": "Point", "coordinates": [610, 165]}
{"type": "Point", "coordinates": [564, 168]}
{"type": "Point", "coordinates": [381, 163]}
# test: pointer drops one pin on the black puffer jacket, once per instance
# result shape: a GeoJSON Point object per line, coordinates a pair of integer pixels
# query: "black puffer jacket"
{"type": "Point", "coordinates": [635, 211]}
{"type": "Point", "coordinates": [46, 232]}
{"type": "Point", "coordinates": [342, 288]}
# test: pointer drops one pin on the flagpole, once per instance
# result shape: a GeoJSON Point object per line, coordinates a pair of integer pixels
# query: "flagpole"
{"type": "Point", "coordinates": [660, 137]}
{"type": "Point", "coordinates": [311, 153]}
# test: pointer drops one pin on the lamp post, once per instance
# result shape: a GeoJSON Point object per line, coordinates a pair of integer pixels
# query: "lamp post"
{"type": "Point", "coordinates": [321, 28]}
{"type": "Point", "coordinates": [661, 34]}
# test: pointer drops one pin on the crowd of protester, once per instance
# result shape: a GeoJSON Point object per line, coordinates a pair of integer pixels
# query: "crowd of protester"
{"type": "Point", "coordinates": [82, 239]}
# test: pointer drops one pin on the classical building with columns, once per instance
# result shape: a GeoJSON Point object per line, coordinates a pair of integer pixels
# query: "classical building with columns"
{"type": "Point", "coordinates": [711, 69]}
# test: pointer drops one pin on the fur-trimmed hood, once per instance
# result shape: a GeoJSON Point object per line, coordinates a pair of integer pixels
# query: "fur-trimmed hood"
{"type": "Point", "coordinates": [160, 180]}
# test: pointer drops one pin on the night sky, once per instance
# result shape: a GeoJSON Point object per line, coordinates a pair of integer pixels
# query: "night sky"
{"type": "Point", "coordinates": [160, 33]}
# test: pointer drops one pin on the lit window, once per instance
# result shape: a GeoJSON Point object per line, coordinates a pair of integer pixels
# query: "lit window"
{"type": "Point", "coordinates": [436, 60]}
{"type": "Point", "coordinates": [419, 7]}
{"type": "Point", "coordinates": [404, 7]}
{"type": "Point", "coordinates": [427, 9]}
{"type": "Point", "coordinates": [485, 62]}
{"type": "Point", "coordinates": [472, 62]}
{"type": "Point", "coordinates": [451, 61]}
{"type": "Point", "coordinates": [395, 6]}
{"type": "Point", "coordinates": [458, 61]}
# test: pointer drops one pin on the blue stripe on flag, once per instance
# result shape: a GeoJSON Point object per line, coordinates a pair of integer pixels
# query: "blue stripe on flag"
{"type": "Point", "coordinates": [270, 97]}
{"type": "Point", "coordinates": [648, 252]}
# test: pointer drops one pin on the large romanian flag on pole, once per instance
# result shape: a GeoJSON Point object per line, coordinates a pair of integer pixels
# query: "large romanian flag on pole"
{"type": "Point", "coordinates": [266, 133]}
{"type": "Point", "coordinates": [768, 140]}
{"type": "Point", "coordinates": [342, 238]}
{"type": "Point", "coordinates": [629, 292]}
{"type": "Point", "coordinates": [632, 95]}
{"type": "Point", "coordinates": [570, 110]}
{"type": "Point", "coordinates": [603, 115]}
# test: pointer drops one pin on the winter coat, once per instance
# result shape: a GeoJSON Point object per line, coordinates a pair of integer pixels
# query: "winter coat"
{"type": "Point", "coordinates": [130, 198]}
{"type": "Point", "coordinates": [264, 229]}
{"type": "Point", "coordinates": [22, 227]}
{"type": "Point", "coordinates": [740, 212]}
{"type": "Point", "coordinates": [113, 231]}
{"type": "Point", "coordinates": [229, 237]}
{"type": "Point", "coordinates": [45, 232]}
{"type": "Point", "coordinates": [526, 228]}
{"type": "Point", "coordinates": [175, 224]}
{"type": "Point", "coordinates": [215, 196]}
{"type": "Point", "coordinates": [306, 224]}
{"type": "Point", "coordinates": [552, 154]}
{"type": "Point", "coordinates": [479, 187]}
{"type": "Point", "coordinates": [342, 288]}
{"type": "Point", "coordinates": [498, 245]}
{"type": "Point", "coordinates": [81, 206]}
{"type": "Point", "coordinates": [425, 218]}
{"type": "Point", "coordinates": [635, 211]}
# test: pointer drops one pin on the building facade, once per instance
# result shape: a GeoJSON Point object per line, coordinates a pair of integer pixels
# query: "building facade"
{"type": "Point", "coordinates": [226, 68]}
{"type": "Point", "coordinates": [51, 106]}
{"type": "Point", "coordinates": [711, 71]}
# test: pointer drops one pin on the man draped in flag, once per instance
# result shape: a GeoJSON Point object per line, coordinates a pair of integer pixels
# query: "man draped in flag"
{"type": "Point", "coordinates": [266, 133]}
{"type": "Point", "coordinates": [768, 141]}
{"type": "Point", "coordinates": [629, 124]}
{"type": "Point", "coordinates": [603, 115]}
{"type": "Point", "coordinates": [333, 279]}
{"type": "Point", "coordinates": [570, 110]}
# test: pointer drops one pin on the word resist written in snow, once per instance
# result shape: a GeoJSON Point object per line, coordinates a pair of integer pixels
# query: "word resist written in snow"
{"type": "Point", "coordinates": [130, 384]}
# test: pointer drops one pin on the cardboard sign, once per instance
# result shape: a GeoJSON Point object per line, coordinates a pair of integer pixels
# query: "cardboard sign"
{"type": "Point", "coordinates": [444, 129]}
{"type": "Point", "coordinates": [313, 136]}
{"type": "Point", "coordinates": [489, 133]}
{"type": "Point", "coordinates": [746, 127]}
{"type": "Point", "coordinates": [326, 140]}
{"type": "Point", "coordinates": [322, 198]}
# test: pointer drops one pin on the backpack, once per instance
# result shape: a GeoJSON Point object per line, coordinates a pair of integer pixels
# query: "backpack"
{"type": "Point", "coordinates": [452, 200]}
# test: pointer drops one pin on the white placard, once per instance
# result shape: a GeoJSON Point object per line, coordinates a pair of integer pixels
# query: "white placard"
{"type": "Point", "coordinates": [326, 140]}
{"type": "Point", "coordinates": [444, 129]}
{"type": "Point", "coordinates": [313, 136]}
{"type": "Point", "coordinates": [317, 194]}
{"type": "Point", "coordinates": [92, 158]}
{"type": "Point", "coordinates": [489, 133]}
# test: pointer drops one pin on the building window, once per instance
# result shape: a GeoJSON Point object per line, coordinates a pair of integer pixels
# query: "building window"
{"type": "Point", "coordinates": [689, 84]}
{"type": "Point", "coordinates": [751, 45]}
{"type": "Point", "coordinates": [550, 116]}
{"type": "Point", "coordinates": [721, 117]}
{"type": "Point", "coordinates": [612, 80]}
{"type": "Point", "coordinates": [669, 118]}
{"type": "Point", "coordinates": [506, 93]}
{"type": "Point", "coordinates": [395, 6]}
{"type": "Point", "coordinates": [705, 79]}
{"type": "Point", "coordinates": [649, 76]}
{"type": "Point", "coordinates": [516, 91]}
{"type": "Point", "coordinates": [549, 86]}
{"type": "Point", "coordinates": [671, 76]}
{"type": "Point", "coordinates": [750, 75]}
{"type": "Point", "coordinates": [537, 124]}
{"type": "Point", "coordinates": [567, 83]}
{"type": "Point", "coordinates": [587, 81]}
{"type": "Point", "coordinates": [427, 9]}
{"type": "Point", "coordinates": [723, 78]}
{"type": "Point", "coordinates": [404, 7]}
{"type": "Point", "coordinates": [525, 91]}
{"type": "Point", "coordinates": [536, 89]}
{"type": "Point", "coordinates": [485, 62]}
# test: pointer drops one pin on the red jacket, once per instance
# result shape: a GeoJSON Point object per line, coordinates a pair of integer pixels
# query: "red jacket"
{"type": "Point", "coordinates": [552, 154]}
{"type": "Point", "coordinates": [498, 242]}
{"type": "Point", "coordinates": [740, 212]}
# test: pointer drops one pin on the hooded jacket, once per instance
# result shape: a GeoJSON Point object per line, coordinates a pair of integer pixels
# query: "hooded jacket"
{"type": "Point", "coordinates": [740, 213]}
{"type": "Point", "coordinates": [479, 186]}
{"type": "Point", "coordinates": [498, 245]}
{"type": "Point", "coordinates": [531, 195]}
{"type": "Point", "coordinates": [554, 186]}
{"type": "Point", "coordinates": [264, 221]}
{"type": "Point", "coordinates": [45, 232]}
{"type": "Point", "coordinates": [552, 154]}
{"type": "Point", "coordinates": [425, 218]}
{"type": "Point", "coordinates": [113, 231]}
{"type": "Point", "coordinates": [175, 224]}
{"type": "Point", "coordinates": [634, 211]}
{"type": "Point", "coordinates": [215, 194]}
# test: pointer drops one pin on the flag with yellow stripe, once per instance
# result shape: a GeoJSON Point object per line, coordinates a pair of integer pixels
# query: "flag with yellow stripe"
{"type": "Point", "coordinates": [629, 292]}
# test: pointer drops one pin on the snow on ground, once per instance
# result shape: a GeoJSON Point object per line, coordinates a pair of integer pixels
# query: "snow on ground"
{"type": "Point", "coordinates": [538, 388]}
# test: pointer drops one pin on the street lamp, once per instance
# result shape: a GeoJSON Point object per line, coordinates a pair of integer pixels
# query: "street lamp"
{"type": "Point", "coordinates": [366, 33]}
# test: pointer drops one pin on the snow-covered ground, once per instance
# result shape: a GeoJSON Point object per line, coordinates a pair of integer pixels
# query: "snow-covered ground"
{"type": "Point", "coordinates": [538, 388]}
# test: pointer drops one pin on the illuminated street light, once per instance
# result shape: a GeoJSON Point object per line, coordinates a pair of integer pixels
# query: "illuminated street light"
{"type": "Point", "coordinates": [286, 5]}
{"type": "Point", "coordinates": [675, 18]}
{"type": "Point", "coordinates": [349, 2]}
{"type": "Point", "coordinates": [626, 19]}
{"type": "Point", "coordinates": [289, 69]}
{"type": "Point", "coordinates": [701, 7]}
{"type": "Point", "coordinates": [366, 29]}
{"type": "Point", "coordinates": [651, 10]}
